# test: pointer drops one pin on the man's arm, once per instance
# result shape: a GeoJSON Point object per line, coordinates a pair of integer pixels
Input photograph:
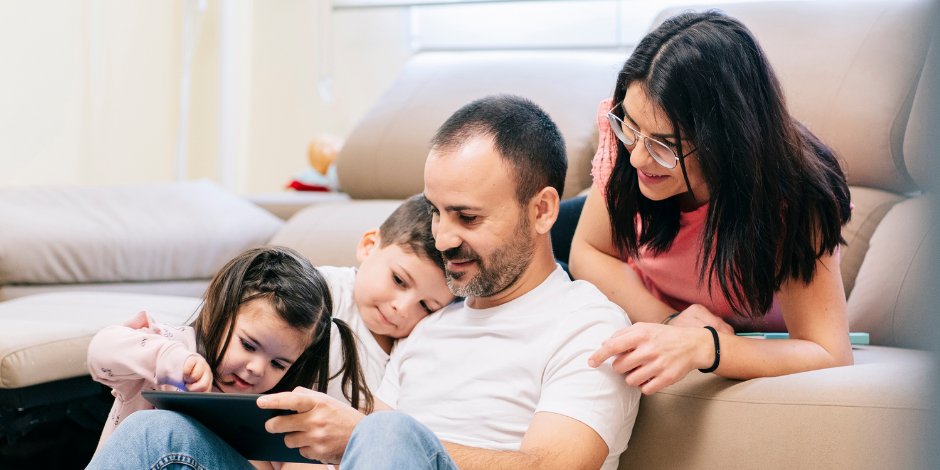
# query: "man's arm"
{"type": "Point", "coordinates": [553, 441]}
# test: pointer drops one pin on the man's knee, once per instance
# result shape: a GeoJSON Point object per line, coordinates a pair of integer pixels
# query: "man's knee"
{"type": "Point", "coordinates": [391, 427]}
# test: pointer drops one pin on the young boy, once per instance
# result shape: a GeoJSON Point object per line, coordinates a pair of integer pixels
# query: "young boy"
{"type": "Point", "coordinates": [400, 280]}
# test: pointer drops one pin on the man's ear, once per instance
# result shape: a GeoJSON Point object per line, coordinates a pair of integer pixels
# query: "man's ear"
{"type": "Point", "coordinates": [368, 242]}
{"type": "Point", "coordinates": [546, 204]}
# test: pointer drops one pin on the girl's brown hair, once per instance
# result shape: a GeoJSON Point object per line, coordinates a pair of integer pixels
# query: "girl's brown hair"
{"type": "Point", "coordinates": [301, 296]}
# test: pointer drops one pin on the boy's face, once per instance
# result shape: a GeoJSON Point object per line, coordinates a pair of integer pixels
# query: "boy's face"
{"type": "Point", "coordinates": [396, 288]}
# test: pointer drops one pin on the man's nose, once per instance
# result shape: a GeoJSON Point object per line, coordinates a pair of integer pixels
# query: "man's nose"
{"type": "Point", "coordinates": [445, 237]}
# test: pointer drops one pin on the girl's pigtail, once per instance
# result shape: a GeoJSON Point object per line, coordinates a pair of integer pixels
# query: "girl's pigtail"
{"type": "Point", "coordinates": [354, 383]}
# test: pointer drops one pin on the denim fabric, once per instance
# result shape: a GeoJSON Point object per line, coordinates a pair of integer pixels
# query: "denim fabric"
{"type": "Point", "coordinates": [164, 440]}
{"type": "Point", "coordinates": [389, 440]}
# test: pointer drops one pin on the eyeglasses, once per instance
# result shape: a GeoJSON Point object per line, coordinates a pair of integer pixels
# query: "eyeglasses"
{"type": "Point", "coordinates": [662, 153]}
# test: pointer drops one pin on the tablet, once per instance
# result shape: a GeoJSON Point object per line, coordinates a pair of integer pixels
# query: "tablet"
{"type": "Point", "coordinates": [234, 417]}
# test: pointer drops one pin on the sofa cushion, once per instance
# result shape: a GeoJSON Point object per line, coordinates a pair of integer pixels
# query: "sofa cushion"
{"type": "Point", "coordinates": [168, 231]}
{"type": "Point", "coordinates": [383, 158]}
{"type": "Point", "coordinates": [889, 300]}
{"type": "Point", "coordinates": [849, 71]}
{"type": "Point", "coordinates": [876, 414]}
{"type": "Point", "coordinates": [328, 234]}
{"type": "Point", "coordinates": [45, 337]}
{"type": "Point", "coordinates": [871, 205]}
{"type": "Point", "coordinates": [186, 288]}
{"type": "Point", "coordinates": [922, 141]}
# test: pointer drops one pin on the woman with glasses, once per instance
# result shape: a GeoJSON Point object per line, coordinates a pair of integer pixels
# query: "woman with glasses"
{"type": "Point", "coordinates": [713, 212]}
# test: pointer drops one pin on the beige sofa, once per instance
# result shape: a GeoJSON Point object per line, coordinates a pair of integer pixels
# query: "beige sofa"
{"type": "Point", "coordinates": [853, 74]}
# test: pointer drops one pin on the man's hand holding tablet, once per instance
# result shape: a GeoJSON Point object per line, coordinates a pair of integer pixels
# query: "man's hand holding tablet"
{"type": "Point", "coordinates": [322, 425]}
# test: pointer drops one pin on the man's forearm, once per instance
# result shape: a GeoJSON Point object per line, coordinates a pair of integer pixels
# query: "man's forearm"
{"type": "Point", "coordinates": [473, 458]}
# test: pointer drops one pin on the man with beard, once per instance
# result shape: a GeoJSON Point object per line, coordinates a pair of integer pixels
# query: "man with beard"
{"type": "Point", "coordinates": [500, 380]}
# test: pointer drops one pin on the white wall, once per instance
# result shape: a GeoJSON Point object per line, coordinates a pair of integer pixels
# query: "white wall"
{"type": "Point", "coordinates": [90, 88]}
{"type": "Point", "coordinates": [87, 91]}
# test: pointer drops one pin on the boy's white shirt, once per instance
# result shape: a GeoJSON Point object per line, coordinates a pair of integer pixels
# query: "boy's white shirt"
{"type": "Point", "coordinates": [372, 357]}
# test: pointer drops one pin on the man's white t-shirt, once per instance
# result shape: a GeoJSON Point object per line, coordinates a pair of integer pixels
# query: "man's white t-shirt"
{"type": "Point", "coordinates": [477, 377]}
{"type": "Point", "coordinates": [372, 357]}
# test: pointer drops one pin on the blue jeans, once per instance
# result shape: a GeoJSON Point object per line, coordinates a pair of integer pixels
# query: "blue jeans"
{"type": "Point", "coordinates": [164, 440]}
{"type": "Point", "coordinates": [389, 440]}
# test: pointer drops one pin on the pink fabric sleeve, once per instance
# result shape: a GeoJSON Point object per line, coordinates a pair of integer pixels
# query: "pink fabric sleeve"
{"type": "Point", "coordinates": [603, 162]}
{"type": "Point", "coordinates": [141, 352]}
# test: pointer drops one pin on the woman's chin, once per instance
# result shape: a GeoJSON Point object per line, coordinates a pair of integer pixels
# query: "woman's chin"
{"type": "Point", "coordinates": [652, 195]}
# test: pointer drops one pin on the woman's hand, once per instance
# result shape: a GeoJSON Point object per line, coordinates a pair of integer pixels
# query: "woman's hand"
{"type": "Point", "coordinates": [655, 356]}
{"type": "Point", "coordinates": [700, 317]}
{"type": "Point", "coordinates": [197, 375]}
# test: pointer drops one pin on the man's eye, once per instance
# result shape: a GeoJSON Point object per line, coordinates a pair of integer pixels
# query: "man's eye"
{"type": "Point", "coordinates": [468, 218]}
{"type": "Point", "coordinates": [247, 346]}
{"type": "Point", "coordinates": [277, 365]}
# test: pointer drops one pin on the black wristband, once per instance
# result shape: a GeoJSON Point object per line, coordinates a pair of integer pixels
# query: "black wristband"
{"type": "Point", "coordinates": [717, 352]}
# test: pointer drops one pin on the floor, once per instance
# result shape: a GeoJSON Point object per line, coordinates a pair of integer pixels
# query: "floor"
{"type": "Point", "coordinates": [61, 445]}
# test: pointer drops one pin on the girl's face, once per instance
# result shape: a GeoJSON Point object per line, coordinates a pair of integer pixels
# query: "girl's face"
{"type": "Point", "coordinates": [656, 181]}
{"type": "Point", "coordinates": [262, 348]}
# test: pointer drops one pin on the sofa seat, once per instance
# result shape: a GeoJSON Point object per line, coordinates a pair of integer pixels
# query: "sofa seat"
{"type": "Point", "coordinates": [874, 414]}
{"type": "Point", "coordinates": [45, 337]}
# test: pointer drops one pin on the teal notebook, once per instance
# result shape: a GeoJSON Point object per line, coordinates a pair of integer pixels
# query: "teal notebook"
{"type": "Point", "coordinates": [858, 339]}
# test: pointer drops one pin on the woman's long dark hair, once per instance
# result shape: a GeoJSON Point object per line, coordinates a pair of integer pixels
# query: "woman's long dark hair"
{"type": "Point", "coordinates": [778, 196]}
{"type": "Point", "coordinates": [301, 296]}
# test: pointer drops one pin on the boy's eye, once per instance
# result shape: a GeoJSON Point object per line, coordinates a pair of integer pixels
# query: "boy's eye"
{"type": "Point", "coordinates": [426, 308]}
{"type": "Point", "coordinates": [398, 280]}
{"type": "Point", "coordinates": [277, 365]}
{"type": "Point", "coordinates": [247, 346]}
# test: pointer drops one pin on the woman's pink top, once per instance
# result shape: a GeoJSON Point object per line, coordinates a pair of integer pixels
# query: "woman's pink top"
{"type": "Point", "coordinates": [673, 276]}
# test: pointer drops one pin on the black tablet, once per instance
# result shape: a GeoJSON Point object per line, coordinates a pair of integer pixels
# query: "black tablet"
{"type": "Point", "coordinates": [234, 417]}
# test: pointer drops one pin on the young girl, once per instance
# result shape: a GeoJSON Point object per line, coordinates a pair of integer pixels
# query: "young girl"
{"type": "Point", "coordinates": [712, 209]}
{"type": "Point", "coordinates": [264, 326]}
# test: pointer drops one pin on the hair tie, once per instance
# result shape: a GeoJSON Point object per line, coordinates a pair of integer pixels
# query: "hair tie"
{"type": "Point", "coordinates": [331, 320]}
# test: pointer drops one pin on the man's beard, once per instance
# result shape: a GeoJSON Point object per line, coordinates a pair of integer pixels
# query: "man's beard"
{"type": "Point", "coordinates": [497, 273]}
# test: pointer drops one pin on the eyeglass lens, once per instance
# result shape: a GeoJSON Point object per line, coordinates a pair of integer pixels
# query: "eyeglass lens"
{"type": "Point", "coordinates": [661, 153]}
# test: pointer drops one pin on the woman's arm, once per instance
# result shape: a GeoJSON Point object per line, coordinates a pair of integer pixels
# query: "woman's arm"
{"type": "Point", "coordinates": [594, 259]}
{"type": "Point", "coordinates": [656, 356]}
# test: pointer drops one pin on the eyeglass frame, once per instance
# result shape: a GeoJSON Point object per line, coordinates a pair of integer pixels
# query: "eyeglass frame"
{"type": "Point", "coordinates": [611, 118]}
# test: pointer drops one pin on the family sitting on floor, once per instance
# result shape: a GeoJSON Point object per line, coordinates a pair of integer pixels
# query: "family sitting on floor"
{"type": "Point", "coordinates": [459, 342]}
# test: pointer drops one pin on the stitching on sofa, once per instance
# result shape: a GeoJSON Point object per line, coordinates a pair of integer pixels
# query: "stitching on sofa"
{"type": "Point", "coordinates": [907, 271]}
{"type": "Point", "coordinates": [799, 403]}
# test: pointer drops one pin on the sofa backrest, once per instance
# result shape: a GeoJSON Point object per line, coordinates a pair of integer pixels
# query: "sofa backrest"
{"type": "Point", "coordinates": [850, 71]}
{"type": "Point", "coordinates": [383, 158]}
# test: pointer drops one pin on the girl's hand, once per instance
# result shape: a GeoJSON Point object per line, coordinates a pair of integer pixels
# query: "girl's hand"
{"type": "Point", "coordinates": [655, 356]}
{"type": "Point", "coordinates": [700, 317]}
{"type": "Point", "coordinates": [196, 374]}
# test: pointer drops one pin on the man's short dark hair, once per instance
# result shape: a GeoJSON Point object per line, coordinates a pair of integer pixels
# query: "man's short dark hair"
{"type": "Point", "coordinates": [410, 227]}
{"type": "Point", "coordinates": [523, 135]}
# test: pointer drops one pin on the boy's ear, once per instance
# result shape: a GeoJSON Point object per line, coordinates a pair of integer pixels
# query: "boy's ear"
{"type": "Point", "coordinates": [368, 242]}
